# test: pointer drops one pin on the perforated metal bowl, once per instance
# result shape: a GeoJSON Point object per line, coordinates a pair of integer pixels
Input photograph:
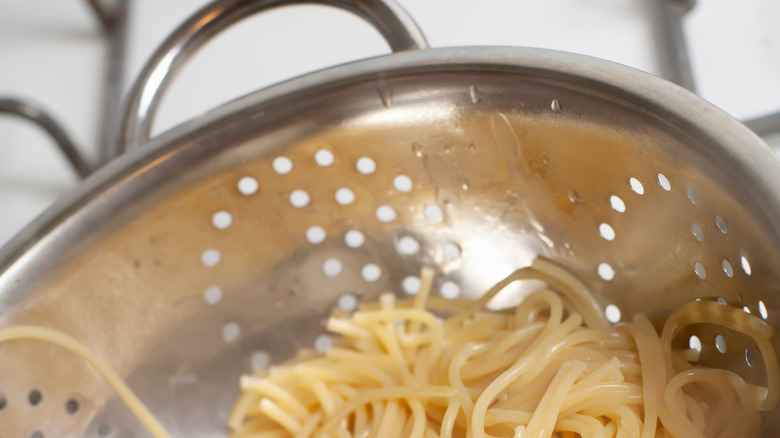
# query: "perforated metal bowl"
{"type": "Point", "coordinates": [222, 244]}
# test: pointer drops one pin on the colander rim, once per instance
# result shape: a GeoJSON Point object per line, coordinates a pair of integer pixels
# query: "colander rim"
{"type": "Point", "coordinates": [739, 144]}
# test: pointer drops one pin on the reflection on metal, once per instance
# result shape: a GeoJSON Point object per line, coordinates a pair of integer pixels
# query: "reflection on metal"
{"type": "Point", "coordinates": [38, 116]}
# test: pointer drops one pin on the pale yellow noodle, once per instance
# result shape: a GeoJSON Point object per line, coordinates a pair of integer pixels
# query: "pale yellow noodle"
{"type": "Point", "coordinates": [345, 391]}
{"type": "Point", "coordinates": [347, 329]}
{"type": "Point", "coordinates": [264, 387]}
{"type": "Point", "coordinates": [736, 319]}
{"type": "Point", "coordinates": [653, 371]}
{"type": "Point", "coordinates": [572, 288]}
{"type": "Point", "coordinates": [455, 379]}
{"type": "Point", "coordinates": [309, 426]}
{"type": "Point", "coordinates": [696, 411]}
{"type": "Point", "coordinates": [407, 429]}
{"type": "Point", "coordinates": [419, 418]}
{"type": "Point", "coordinates": [448, 422]}
{"type": "Point", "coordinates": [619, 392]}
{"type": "Point", "coordinates": [551, 367]}
{"type": "Point", "coordinates": [422, 298]}
{"type": "Point", "coordinates": [547, 300]}
{"type": "Point", "coordinates": [386, 394]}
{"type": "Point", "coordinates": [535, 358]}
{"type": "Point", "coordinates": [430, 433]}
{"type": "Point", "coordinates": [361, 421]}
{"type": "Point", "coordinates": [609, 371]}
{"type": "Point", "coordinates": [284, 419]}
{"type": "Point", "coordinates": [377, 412]}
{"type": "Point", "coordinates": [626, 420]}
{"type": "Point", "coordinates": [269, 434]}
{"type": "Point", "coordinates": [491, 359]}
{"type": "Point", "coordinates": [239, 412]}
{"type": "Point", "coordinates": [347, 373]}
{"type": "Point", "coordinates": [324, 398]}
{"type": "Point", "coordinates": [610, 429]}
{"type": "Point", "coordinates": [546, 414]}
{"type": "Point", "coordinates": [513, 417]}
{"type": "Point", "coordinates": [389, 340]}
{"type": "Point", "coordinates": [387, 301]}
{"type": "Point", "coordinates": [538, 357]}
{"type": "Point", "coordinates": [582, 426]}
{"type": "Point", "coordinates": [118, 384]}
{"type": "Point", "coordinates": [389, 422]}
{"type": "Point", "coordinates": [341, 433]}
{"type": "Point", "coordinates": [410, 341]}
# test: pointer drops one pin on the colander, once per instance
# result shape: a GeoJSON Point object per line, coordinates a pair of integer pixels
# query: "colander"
{"type": "Point", "coordinates": [221, 245]}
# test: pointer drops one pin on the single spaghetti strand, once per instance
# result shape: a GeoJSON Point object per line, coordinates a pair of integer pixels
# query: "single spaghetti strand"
{"type": "Point", "coordinates": [105, 370]}
{"type": "Point", "coordinates": [546, 414]}
{"type": "Point", "coordinates": [418, 418]}
{"type": "Point", "coordinates": [448, 422]}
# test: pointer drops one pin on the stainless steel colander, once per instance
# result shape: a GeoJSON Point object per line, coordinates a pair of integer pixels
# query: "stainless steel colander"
{"type": "Point", "coordinates": [222, 244]}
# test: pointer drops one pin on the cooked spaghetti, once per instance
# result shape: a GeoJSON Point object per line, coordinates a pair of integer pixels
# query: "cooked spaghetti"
{"type": "Point", "coordinates": [551, 367]}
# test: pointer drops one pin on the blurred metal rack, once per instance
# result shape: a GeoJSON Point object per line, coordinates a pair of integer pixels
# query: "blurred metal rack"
{"type": "Point", "coordinates": [674, 60]}
{"type": "Point", "coordinates": [112, 15]}
{"type": "Point", "coordinates": [667, 18]}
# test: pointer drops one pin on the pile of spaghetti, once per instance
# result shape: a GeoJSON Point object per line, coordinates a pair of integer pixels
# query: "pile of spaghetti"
{"type": "Point", "coordinates": [553, 366]}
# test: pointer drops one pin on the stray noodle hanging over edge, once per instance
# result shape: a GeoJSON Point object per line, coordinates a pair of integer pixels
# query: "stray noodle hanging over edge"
{"type": "Point", "coordinates": [545, 368]}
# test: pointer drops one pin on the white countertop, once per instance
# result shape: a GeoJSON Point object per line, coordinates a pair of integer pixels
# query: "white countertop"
{"type": "Point", "coordinates": [50, 51]}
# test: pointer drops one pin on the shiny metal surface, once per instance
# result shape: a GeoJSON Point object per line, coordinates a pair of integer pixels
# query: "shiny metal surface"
{"type": "Point", "coordinates": [396, 26]}
{"type": "Point", "coordinates": [173, 264]}
{"type": "Point", "coordinates": [38, 116]}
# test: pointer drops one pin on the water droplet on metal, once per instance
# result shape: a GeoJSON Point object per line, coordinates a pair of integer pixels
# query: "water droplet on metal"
{"type": "Point", "coordinates": [464, 184]}
{"type": "Point", "coordinates": [385, 92]}
{"type": "Point", "coordinates": [537, 226]}
{"type": "Point", "coordinates": [418, 149]}
{"type": "Point", "coordinates": [447, 149]}
{"type": "Point", "coordinates": [546, 240]}
{"type": "Point", "coordinates": [574, 197]}
{"type": "Point", "coordinates": [555, 106]}
{"type": "Point", "coordinates": [545, 160]}
{"type": "Point", "coordinates": [472, 147]}
{"type": "Point", "coordinates": [474, 94]}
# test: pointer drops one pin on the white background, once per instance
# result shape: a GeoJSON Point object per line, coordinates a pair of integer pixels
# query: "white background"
{"type": "Point", "coordinates": [51, 52]}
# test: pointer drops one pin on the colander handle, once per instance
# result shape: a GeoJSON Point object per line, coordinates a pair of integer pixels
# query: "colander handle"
{"type": "Point", "coordinates": [396, 26]}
